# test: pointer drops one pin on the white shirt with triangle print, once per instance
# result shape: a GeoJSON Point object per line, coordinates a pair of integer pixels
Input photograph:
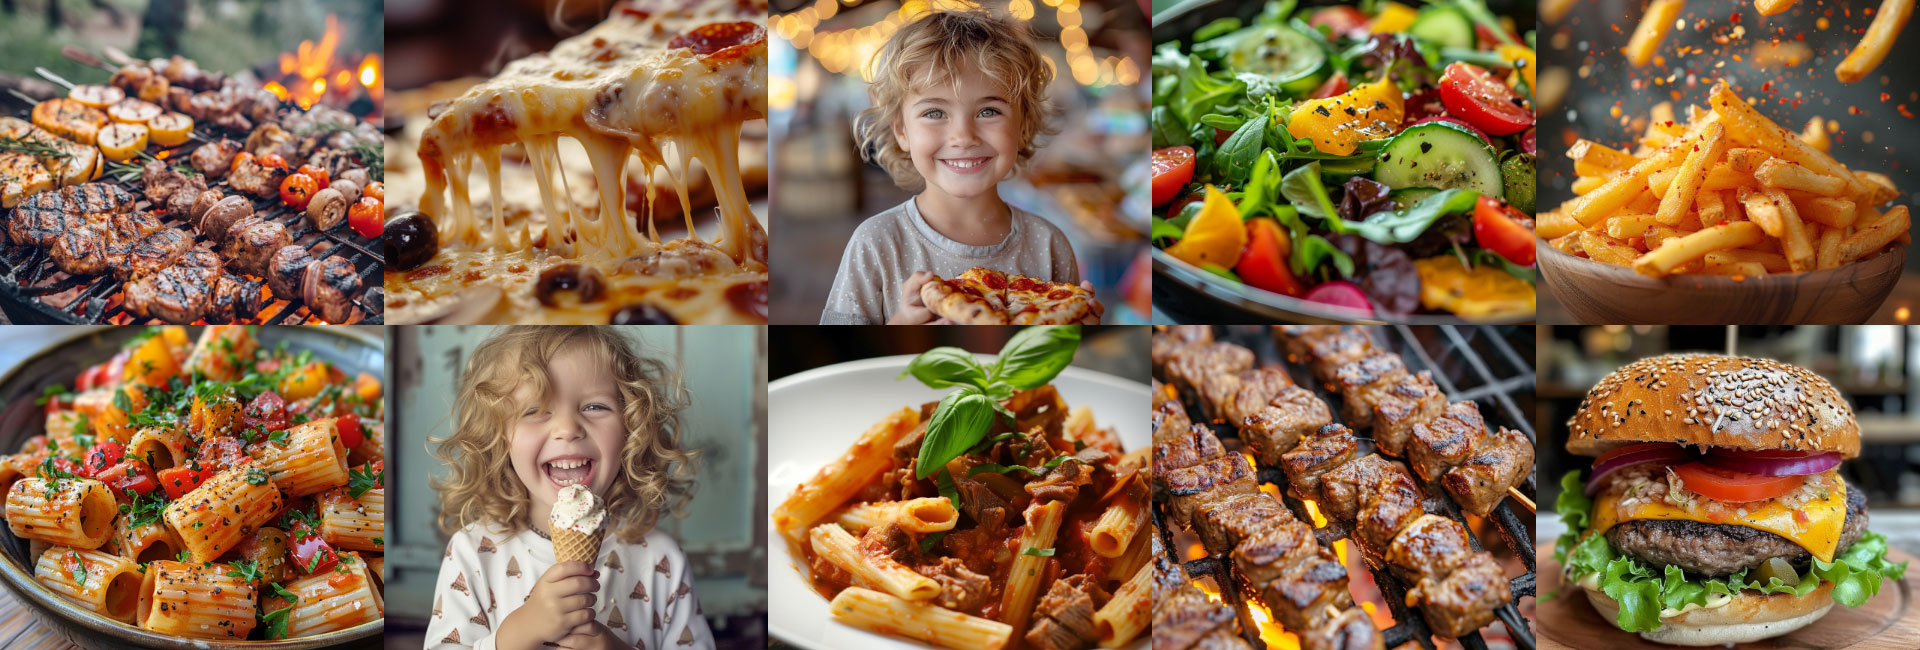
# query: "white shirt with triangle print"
{"type": "Point", "coordinates": [646, 596]}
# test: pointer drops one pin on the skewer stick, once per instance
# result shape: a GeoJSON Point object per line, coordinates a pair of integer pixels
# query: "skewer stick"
{"type": "Point", "coordinates": [1514, 491]}
{"type": "Point", "coordinates": [50, 76]}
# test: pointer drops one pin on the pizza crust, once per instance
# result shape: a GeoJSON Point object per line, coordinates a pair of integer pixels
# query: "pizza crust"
{"type": "Point", "coordinates": [983, 296]}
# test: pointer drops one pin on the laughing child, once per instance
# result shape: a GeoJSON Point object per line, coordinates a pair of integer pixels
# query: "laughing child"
{"type": "Point", "coordinates": [958, 100]}
{"type": "Point", "coordinates": [540, 410]}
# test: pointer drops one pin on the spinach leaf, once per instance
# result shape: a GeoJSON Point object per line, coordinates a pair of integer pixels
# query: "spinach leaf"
{"type": "Point", "coordinates": [1303, 189]}
{"type": "Point", "coordinates": [1234, 161]}
{"type": "Point", "coordinates": [1310, 251]}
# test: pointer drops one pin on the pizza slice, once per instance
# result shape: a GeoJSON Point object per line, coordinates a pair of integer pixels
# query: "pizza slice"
{"type": "Point", "coordinates": [977, 297]}
{"type": "Point", "coordinates": [1031, 301]}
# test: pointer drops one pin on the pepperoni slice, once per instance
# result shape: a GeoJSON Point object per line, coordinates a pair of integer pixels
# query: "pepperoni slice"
{"type": "Point", "coordinates": [721, 40]}
{"type": "Point", "coordinates": [1060, 294]}
{"type": "Point", "coordinates": [995, 281]}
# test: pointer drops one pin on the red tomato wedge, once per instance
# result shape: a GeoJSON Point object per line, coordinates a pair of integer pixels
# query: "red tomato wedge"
{"type": "Point", "coordinates": [1734, 487]}
{"type": "Point", "coordinates": [1340, 19]}
{"type": "Point", "coordinates": [350, 433]}
{"type": "Point", "coordinates": [1501, 229]}
{"type": "Point", "coordinates": [1264, 264]}
{"type": "Point", "coordinates": [1335, 86]}
{"type": "Point", "coordinates": [1172, 170]}
{"type": "Point", "coordinates": [1475, 96]}
{"type": "Point", "coordinates": [178, 481]}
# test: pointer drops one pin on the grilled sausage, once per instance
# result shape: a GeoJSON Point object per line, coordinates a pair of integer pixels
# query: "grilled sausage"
{"type": "Point", "coordinates": [287, 270]}
{"type": "Point", "coordinates": [328, 207]}
{"type": "Point", "coordinates": [223, 215]}
{"type": "Point", "coordinates": [202, 203]}
{"type": "Point", "coordinates": [328, 288]}
{"type": "Point", "coordinates": [252, 242]}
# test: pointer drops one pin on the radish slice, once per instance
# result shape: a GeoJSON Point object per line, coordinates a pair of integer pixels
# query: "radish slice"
{"type": "Point", "coordinates": [1341, 294]}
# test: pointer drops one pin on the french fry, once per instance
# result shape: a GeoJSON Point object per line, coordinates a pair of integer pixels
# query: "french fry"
{"type": "Point", "coordinates": [1568, 243]}
{"type": "Point", "coordinates": [1709, 207]}
{"type": "Point", "coordinates": [1586, 184]}
{"type": "Point", "coordinates": [1827, 253]}
{"type": "Point", "coordinates": [1748, 126]}
{"type": "Point", "coordinates": [1716, 263]}
{"type": "Point", "coordinates": [1825, 210]}
{"type": "Point", "coordinates": [1630, 225]}
{"type": "Point", "coordinates": [1772, 7]}
{"type": "Point", "coordinates": [1554, 224]}
{"type": "Point", "coordinates": [1657, 236]}
{"type": "Point", "coordinates": [1606, 249]}
{"type": "Point", "coordinates": [1884, 231]}
{"type": "Point", "coordinates": [1721, 176]}
{"type": "Point", "coordinates": [1772, 262]}
{"type": "Point", "coordinates": [1878, 40]}
{"type": "Point", "coordinates": [1880, 189]}
{"type": "Point", "coordinates": [1747, 159]}
{"type": "Point", "coordinates": [1600, 156]}
{"type": "Point", "coordinates": [1764, 213]}
{"type": "Point", "coordinates": [1796, 243]}
{"type": "Point", "coordinates": [1688, 248]}
{"type": "Point", "coordinates": [1779, 174]}
{"type": "Point", "coordinates": [1816, 136]}
{"type": "Point", "coordinates": [1628, 185]}
{"type": "Point", "coordinates": [1653, 29]}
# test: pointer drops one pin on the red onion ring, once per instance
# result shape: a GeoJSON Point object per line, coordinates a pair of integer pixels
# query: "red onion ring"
{"type": "Point", "coordinates": [1773, 463]}
{"type": "Point", "coordinates": [1605, 468]}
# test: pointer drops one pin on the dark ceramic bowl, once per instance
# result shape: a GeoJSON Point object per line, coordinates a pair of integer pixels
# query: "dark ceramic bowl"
{"type": "Point", "coordinates": [58, 364]}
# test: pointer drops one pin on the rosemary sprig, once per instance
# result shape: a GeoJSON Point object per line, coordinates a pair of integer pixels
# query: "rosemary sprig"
{"type": "Point", "coordinates": [128, 170]}
{"type": "Point", "coordinates": [32, 146]}
{"type": "Point", "coordinates": [374, 156]}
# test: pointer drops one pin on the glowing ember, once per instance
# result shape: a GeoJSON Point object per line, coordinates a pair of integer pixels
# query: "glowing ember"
{"type": "Point", "coordinates": [317, 71]}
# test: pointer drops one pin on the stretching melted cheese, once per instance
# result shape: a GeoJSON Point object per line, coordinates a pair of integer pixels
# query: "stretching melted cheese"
{"type": "Point", "coordinates": [661, 87]}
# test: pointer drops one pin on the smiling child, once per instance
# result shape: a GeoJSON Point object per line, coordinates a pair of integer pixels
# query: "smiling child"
{"type": "Point", "coordinates": [958, 99]}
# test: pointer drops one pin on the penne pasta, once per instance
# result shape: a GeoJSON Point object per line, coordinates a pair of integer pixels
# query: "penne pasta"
{"type": "Point", "coordinates": [334, 600]}
{"type": "Point", "coordinates": [1023, 580]}
{"type": "Point", "coordinates": [918, 516]}
{"type": "Point", "coordinates": [196, 600]}
{"type": "Point", "coordinates": [882, 572]}
{"type": "Point", "coordinates": [67, 512]}
{"type": "Point", "coordinates": [104, 583]}
{"type": "Point", "coordinates": [1129, 612]}
{"type": "Point", "coordinates": [358, 524]}
{"type": "Point", "coordinates": [1123, 519]}
{"type": "Point", "coordinates": [878, 612]}
{"type": "Point", "coordinates": [215, 516]}
{"type": "Point", "coordinates": [312, 461]}
{"type": "Point", "coordinates": [840, 479]}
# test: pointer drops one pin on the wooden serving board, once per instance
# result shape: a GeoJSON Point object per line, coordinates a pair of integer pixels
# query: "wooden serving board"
{"type": "Point", "coordinates": [1888, 622]}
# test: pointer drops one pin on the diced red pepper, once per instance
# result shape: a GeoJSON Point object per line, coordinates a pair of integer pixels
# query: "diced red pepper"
{"type": "Point", "coordinates": [103, 455]}
{"type": "Point", "coordinates": [178, 481]}
{"type": "Point", "coordinates": [311, 553]}
{"type": "Point", "coordinates": [222, 453]}
{"type": "Point", "coordinates": [350, 433]}
{"type": "Point", "coordinates": [130, 474]}
{"type": "Point", "coordinates": [267, 411]}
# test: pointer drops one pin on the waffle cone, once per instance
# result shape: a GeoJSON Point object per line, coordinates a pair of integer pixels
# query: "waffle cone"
{"type": "Point", "coordinates": [574, 546]}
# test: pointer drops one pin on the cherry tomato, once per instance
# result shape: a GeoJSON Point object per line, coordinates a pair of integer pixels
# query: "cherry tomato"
{"type": "Point", "coordinates": [1335, 86]}
{"type": "Point", "coordinates": [1172, 170]}
{"type": "Point", "coordinates": [267, 411]}
{"type": "Point", "coordinates": [178, 481]}
{"type": "Point", "coordinates": [319, 175]}
{"type": "Point", "coordinates": [1340, 19]}
{"type": "Point", "coordinates": [105, 454]}
{"type": "Point", "coordinates": [273, 161]}
{"type": "Point", "coordinates": [350, 433]}
{"type": "Point", "coordinates": [297, 190]}
{"type": "Point", "coordinates": [1527, 141]}
{"type": "Point", "coordinates": [67, 465]}
{"type": "Point", "coordinates": [1501, 229]}
{"type": "Point", "coordinates": [1264, 265]}
{"type": "Point", "coordinates": [365, 217]}
{"type": "Point", "coordinates": [130, 474]}
{"type": "Point", "coordinates": [1475, 96]}
{"type": "Point", "coordinates": [1425, 104]}
{"type": "Point", "coordinates": [244, 155]}
{"type": "Point", "coordinates": [376, 190]}
{"type": "Point", "coordinates": [1734, 487]}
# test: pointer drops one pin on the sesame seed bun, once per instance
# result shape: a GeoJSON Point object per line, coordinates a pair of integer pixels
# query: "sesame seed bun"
{"type": "Point", "coordinates": [1749, 616]}
{"type": "Point", "coordinates": [1716, 401]}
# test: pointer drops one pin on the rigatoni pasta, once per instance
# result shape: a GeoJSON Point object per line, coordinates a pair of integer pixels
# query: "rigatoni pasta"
{"type": "Point", "coordinates": [215, 516]}
{"type": "Point", "coordinates": [196, 600]}
{"type": "Point", "coordinates": [105, 583]}
{"type": "Point", "coordinates": [63, 511]}
{"type": "Point", "coordinates": [335, 600]}
{"type": "Point", "coordinates": [312, 461]}
{"type": "Point", "coordinates": [354, 523]}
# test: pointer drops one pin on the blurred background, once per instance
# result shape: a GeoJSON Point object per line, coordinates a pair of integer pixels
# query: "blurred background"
{"type": "Point", "coordinates": [1103, 348]}
{"type": "Point", "coordinates": [1873, 366]}
{"type": "Point", "coordinates": [724, 533]}
{"type": "Point", "coordinates": [1783, 64]}
{"type": "Point", "coordinates": [1090, 179]}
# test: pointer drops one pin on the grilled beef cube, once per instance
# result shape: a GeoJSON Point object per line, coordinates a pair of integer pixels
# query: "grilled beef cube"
{"type": "Point", "coordinates": [1193, 447]}
{"type": "Point", "coordinates": [181, 293]}
{"type": "Point", "coordinates": [1330, 447]}
{"type": "Point", "coordinates": [1464, 600]}
{"type": "Point", "coordinates": [1274, 550]}
{"type": "Point", "coordinates": [160, 181]}
{"type": "Point", "coordinates": [235, 299]}
{"type": "Point", "coordinates": [1345, 489]}
{"type": "Point", "coordinates": [1440, 444]}
{"type": "Point", "coordinates": [1169, 420]}
{"type": "Point", "coordinates": [330, 286]}
{"type": "Point", "coordinates": [1176, 337]}
{"type": "Point", "coordinates": [131, 226]}
{"type": "Point", "coordinates": [1411, 400]}
{"type": "Point", "coordinates": [1349, 630]}
{"type": "Point", "coordinates": [180, 205]}
{"type": "Point", "coordinates": [213, 158]}
{"type": "Point", "coordinates": [221, 217]}
{"type": "Point", "coordinates": [83, 250]}
{"type": "Point", "coordinates": [1191, 366]}
{"type": "Point", "coordinates": [251, 243]}
{"type": "Point", "coordinates": [41, 218]}
{"type": "Point", "coordinates": [1307, 589]}
{"type": "Point", "coordinates": [1500, 461]}
{"type": "Point", "coordinates": [203, 202]}
{"type": "Point", "coordinates": [1325, 354]}
{"type": "Point", "coordinates": [1188, 620]}
{"type": "Point", "coordinates": [1298, 339]}
{"type": "Point", "coordinates": [1063, 619]}
{"type": "Point", "coordinates": [156, 251]}
{"type": "Point", "coordinates": [1225, 523]}
{"type": "Point", "coordinates": [961, 589]}
{"type": "Point", "coordinates": [1292, 414]}
{"type": "Point", "coordinates": [1361, 383]}
{"type": "Point", "coordinates": [1393, 506]}
{"type": "Point", "coordinates": [1257, 388]}
{"type": "Point", "coordinates": [1213, 480]}
{"type": "Point", "coordinates": [287, 270]}
{"type": "Point", "coordinates": [1432, 547]}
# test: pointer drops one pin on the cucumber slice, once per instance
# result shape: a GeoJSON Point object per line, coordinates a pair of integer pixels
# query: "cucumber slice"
{"type": "Point", "coordinates": [1405, 197]}
{"type": "Point", "coordinates": [1443, 25]}
{"type": "Point", "coordinates": [1440, 155]}
{"type": "Point", "coordinates": [1347, 167]}
{"type": "Point", "coordinates": [1279, 52]}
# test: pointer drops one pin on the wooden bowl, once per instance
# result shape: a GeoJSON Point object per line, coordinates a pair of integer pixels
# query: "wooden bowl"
{"type": "Point", "coordinates": [61, 361]}
{"type": "Point", "coordinates": [1601, 293]}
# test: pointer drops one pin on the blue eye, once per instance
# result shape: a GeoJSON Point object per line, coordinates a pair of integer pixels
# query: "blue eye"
{"type": "Point", "coordinates": [602, 407]}
{"type": "Point", "coordinates": [989, 112]}
{"type": "Point", "coordinates": [935, 114]}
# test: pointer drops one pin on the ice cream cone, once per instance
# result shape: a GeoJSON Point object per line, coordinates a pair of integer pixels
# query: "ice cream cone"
{"type": "Point", "coordinates": [574, 546]}
{"type": "Point", "coordinates": [578, 524]}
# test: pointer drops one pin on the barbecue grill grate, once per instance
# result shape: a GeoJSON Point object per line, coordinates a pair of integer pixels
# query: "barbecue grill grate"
{"type": "Point", "coordinates": [30, 282]}
{"type": "Point", "coordinates": [1468, 363]}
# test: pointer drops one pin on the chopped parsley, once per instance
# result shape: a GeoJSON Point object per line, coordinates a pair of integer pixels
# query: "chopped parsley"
{"type": "Point", "coordinates": [79, 569]}
{"type": "Point", "coordinates": [256, 476]}
{"type": "Point", "coordinates": [51, 393]}
{"type": "Point", "coordinates": [144, 510]}
{"type": "Point", "coordinates": [361, 480]}
{"type": "Point", "coordinates": [276, 620]}
{"type": "Point", "coordinates": [247, 570]}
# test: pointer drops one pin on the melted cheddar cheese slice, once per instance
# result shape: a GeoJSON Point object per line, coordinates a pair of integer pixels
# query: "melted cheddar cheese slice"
{"type": "Point", "coordinates": [1816, 527]}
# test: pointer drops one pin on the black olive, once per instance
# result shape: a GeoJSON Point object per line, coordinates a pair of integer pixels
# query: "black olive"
{"type": "Point", "coordinates": [568, 276]}
{"type": "Point", "coordinates": [643, 314]}
{"type": "Point", "coordinates": [411, 240]}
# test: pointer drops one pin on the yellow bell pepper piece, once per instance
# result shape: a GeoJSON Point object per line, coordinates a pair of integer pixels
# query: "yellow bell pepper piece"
{"type": "Point", "coordinates": [1215, 236]}
{"type": "Point", "coordinates": [1481, 292]}
{"type": "Point", "coordinates": [1522, 59]}
{"type": "Point", "coordinates": [1337, 124]}
{"type": "Point", "coordinates": [1393, 19]}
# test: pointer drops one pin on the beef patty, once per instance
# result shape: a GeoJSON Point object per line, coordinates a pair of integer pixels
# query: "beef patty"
{"type": "Point", "coordinates": [1722, 549]}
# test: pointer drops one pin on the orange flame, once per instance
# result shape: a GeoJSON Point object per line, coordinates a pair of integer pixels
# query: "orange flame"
{"type": "Point", "coordinates": [312, 63]}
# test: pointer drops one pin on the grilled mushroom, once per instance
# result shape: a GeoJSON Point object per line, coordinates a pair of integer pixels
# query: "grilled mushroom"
{"type": "Point", "coordinates": [328, 207]}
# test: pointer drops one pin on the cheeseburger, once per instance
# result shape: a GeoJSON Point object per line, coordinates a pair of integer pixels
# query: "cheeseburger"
{"type": "Point", "coordinates": [1714, 512]}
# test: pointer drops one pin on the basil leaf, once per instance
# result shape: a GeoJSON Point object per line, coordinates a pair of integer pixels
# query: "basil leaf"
{"type": "Point", "coordinates": [959, 422]}
{"type": "Point", "coordinates": [1036, 355]}
{"type": "Point", "coordinates": [1038, 552]}
{"type": "Point", "coordinates": [944, 481]}
{"type": "Point", "coordinates": [1168, 130]}
{"type": "Point", "coordinates": [945, 366]}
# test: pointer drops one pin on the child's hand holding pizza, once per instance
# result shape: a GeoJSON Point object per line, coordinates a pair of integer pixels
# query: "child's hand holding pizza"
{"type": "Point", "coordinates": [913, 310]}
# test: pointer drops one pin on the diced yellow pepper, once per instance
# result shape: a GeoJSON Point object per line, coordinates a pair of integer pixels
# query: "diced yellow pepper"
{"type": "Point", "coordinates": [1480, 293]}
{"type": "Point", "coordinates": [1393, 19]}
{"type": "Point", "coordinates": [1337, 124]}
{"type": "Point", "coordinates": [1522, 59]}
{"type": "Point", "coordinates": [1215, 236]}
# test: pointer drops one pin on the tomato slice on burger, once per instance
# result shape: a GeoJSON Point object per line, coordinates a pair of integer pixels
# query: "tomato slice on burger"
{"type": "Point", "coordinates": [1734, 487]}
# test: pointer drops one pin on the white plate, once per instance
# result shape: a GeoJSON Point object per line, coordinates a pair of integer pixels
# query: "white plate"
{"type": "Point", "coordinates": [814, 416]}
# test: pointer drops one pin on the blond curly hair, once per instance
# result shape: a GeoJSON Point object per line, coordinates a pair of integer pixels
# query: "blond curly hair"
{"type": "Point", "coordinates": [934, 50]}
{"type": "Point", "coordinates": [656, 476]}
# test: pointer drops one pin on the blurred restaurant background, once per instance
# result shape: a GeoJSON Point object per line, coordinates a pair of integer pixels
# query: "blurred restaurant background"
{"type": "Point", "coordinates": [1090, 179]}
{"type": "Point", "coordinates": [1873, 366]}
{"type": "Point", "coordinates": [1103, 348]}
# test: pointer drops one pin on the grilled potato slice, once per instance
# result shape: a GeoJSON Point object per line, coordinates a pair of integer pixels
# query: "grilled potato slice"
{"type": "Point", "coordinates": [76, 164]}
{"type": "Point", "coordinates": [121, 141]}
{"type": "Point", "coordinates": [20, 177]}
{"type": "Point", "coordinates": [70, 119]}
{"type": "Point", "coordinates": [97, 96]}
{"type": "Point", "coordinates": [134, 111]}
{"type": "Point", "coordinates": [170, 129]}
